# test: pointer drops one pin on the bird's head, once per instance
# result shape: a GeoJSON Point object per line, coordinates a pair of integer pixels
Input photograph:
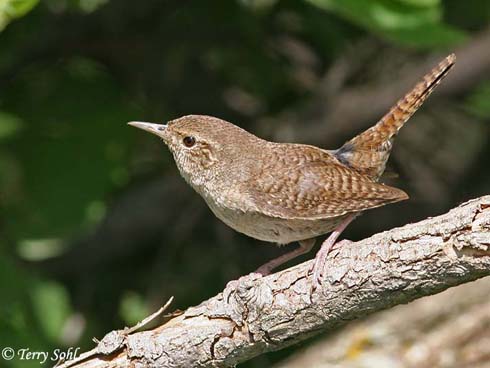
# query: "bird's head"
{"type": "Point", "coordinates": [199, 143]}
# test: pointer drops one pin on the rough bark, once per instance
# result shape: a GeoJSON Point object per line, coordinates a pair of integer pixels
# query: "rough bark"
{"type": "Point", "coordinates": [450, 329]}
{"type": "Point", "coordinates": [255, 314]}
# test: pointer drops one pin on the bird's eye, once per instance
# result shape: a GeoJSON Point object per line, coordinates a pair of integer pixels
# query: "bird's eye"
{"type": "Point", "coordinates": [189, 141]}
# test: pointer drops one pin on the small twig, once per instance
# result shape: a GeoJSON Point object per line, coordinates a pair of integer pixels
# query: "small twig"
{"type": "Point", "coordinates": [150, 318]}
{"type": "Point", "coordinates": [114, 340]}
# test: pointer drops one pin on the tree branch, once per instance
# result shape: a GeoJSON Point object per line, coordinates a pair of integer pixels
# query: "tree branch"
{"type": "Point", "coordinates": [449, 329]}
{"type": "Point", "coordinates": [258, 314]}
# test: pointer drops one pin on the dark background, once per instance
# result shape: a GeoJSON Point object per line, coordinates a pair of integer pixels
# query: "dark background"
{"type": "Point", "coordinates": [97, 227]}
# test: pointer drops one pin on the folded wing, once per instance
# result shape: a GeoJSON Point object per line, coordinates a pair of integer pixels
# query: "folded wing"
{"type": "Point", "coordinates": [311, 183]}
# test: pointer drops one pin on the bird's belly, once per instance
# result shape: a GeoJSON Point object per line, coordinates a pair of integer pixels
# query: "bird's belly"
{"type": "Point", "coordinates": [272, 229]}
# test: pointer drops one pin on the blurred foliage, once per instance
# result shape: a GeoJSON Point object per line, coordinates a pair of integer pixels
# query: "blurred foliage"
{"type": "Point", "coordinates": [478, 101]}
{"type": "Point", "coordinates": [11, 9]}
{"type": "Point", "coordinates": [416, 23]}
{"type": "Point", "coordinates": [72, 72]}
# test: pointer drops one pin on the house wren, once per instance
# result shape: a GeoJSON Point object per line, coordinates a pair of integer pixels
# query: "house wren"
{"type": "Point", "coordinates": [285, 192]}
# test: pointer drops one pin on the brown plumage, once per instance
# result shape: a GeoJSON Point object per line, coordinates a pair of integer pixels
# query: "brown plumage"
{"type": "Point", "coordinates": [305, 182]}
{"type": "Point", "coordinates": [284, 192]}
{"type": "Point", "coordinates": [368, 152]}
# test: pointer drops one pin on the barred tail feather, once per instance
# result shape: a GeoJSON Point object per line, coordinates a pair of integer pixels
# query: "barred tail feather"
{"type": "Point", "coordinates": [368, 152]}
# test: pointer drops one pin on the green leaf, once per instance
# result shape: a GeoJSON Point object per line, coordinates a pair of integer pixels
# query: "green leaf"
{"type": "Point", "coordinates": [421, 3]}
{"type": "Point", "coordinates": [409, 22]}
{"type": "Point", "coordinates": [11, 9]}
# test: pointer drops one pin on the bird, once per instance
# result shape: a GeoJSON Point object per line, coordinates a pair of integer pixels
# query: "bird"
{"type": "Point", "coordinates": [286, 192]}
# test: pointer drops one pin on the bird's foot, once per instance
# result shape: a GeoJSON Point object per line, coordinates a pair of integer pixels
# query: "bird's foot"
{"type": "Point", "coordinates": [264, 270]}
{"type": "Point", "coordinates": [304, 247]}
{"type": "Point", "coordinates": [318, 265]}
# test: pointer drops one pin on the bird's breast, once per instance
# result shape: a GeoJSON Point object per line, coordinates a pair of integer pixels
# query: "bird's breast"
{"type": "Point", "coordinates": [263, 227]}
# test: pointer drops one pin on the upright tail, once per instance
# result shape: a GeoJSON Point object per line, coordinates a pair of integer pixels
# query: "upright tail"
{"type": "Point", "coordinates": [368, 152]}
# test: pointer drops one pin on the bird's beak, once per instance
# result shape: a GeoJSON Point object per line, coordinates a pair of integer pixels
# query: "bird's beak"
{"type": "Point", "coordinates": [157, 129]}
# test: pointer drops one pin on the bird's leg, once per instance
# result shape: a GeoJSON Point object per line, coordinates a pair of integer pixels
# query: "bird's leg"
{"type": "Point", "coordinates": [304, 247]}
{"type": "Point", "coordinates": [327, 245]}
{"type": "Point", "coordinates": [244, 282]}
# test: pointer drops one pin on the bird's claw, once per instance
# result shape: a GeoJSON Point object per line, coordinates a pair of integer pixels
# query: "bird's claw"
{"type": "Point", "coordinates": [317, 273]}
{"type": "Point", "coordinates": [318, 265]}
